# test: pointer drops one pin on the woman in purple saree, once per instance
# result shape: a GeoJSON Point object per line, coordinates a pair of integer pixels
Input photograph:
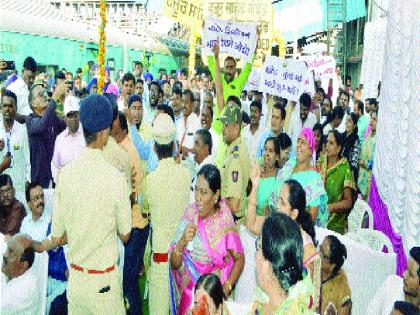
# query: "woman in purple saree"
{"type": "Point", "coordinates": [206, 241]}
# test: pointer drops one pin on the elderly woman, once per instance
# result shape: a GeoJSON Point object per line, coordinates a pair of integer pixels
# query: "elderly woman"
{"type": "Point", "coordinates": [284, 288]}
{"type": "Point", "coordinates": [366, 158]}
{"type": "Point", "coordinates": [339, 182]}
{"type": "Point", "coordinates": [301, 169]}
{"type": "Point", "coordinates": [336, 294]}
{"type": "Point", "coordinates": [206, 241]}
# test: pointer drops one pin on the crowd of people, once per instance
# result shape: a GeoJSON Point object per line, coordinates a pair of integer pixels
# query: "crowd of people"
{"type": "Point", "coordinates": [165, 176]}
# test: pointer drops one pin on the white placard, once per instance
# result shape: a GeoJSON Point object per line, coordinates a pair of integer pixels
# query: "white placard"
{"type": "Point", "coordinates": [253, 82]}
{"type": "Point", "coordinates": [237, 39]}
{"type": "Point", "coordinates": [287, 78]}
{"type": "Point", "coordinates": [323, 66]}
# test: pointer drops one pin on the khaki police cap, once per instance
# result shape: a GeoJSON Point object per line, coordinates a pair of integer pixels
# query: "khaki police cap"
{"type": "Point", "coordinates": [163, 129]}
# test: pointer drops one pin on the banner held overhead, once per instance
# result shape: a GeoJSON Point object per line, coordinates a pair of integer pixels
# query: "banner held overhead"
{"type": "Point", "coordinates": [259, 11]}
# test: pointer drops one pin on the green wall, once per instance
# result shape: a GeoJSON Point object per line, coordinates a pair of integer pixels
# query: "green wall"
{"type": "Point", "coordinates": [71, 54]}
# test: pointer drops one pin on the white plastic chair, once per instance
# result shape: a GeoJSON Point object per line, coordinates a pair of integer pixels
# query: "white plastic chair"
{"type": "Point", "coordinates": [375, 240]}
{"type": "Point", "coordinates": [357, 216]}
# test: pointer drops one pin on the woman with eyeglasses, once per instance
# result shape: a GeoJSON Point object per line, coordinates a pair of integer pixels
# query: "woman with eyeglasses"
{"type": "Point", "coordinates": [284, 287]}
{"type": "Point", "coordinates": [336, 293]}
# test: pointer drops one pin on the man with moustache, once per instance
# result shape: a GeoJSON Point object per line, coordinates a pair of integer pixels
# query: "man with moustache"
{"type": "Point", "coordinates": [35, 224]}
{"type": "Point", "coordinates": [305, 119]}
{"type": "Point", "coordinates": [326, 109]}
{"type": "Point", "coordinates": [253, 132]}
{"type": "Point", "coordinates": [19, 291]}
{"type": "Point", "coordinates": [150, 108]}
{"type": "Point", "coordinates": [71, 142]}
{"type": "Point", "coordinates": [236, 165]}
{"type": "Point", "coordinates": [396, 288]}
{"type": "Point", "coordinates": [12, 210]}
{"type": "Point", "coordinates": [14, 149]}
{"type": "Point", "coordinates": [128, 81]}
{"type": "Point", "coordinates": [22, 86]}
{"type": "Point", "coordinates": [206, 120]}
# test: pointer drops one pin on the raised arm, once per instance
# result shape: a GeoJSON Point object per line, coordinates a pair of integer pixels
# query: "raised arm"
{"type": "Point", "coordinates": [218, 79]}
{"type": "Point", "coordinates": [253, 222]}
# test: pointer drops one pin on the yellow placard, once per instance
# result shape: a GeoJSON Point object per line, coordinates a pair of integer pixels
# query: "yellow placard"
{"type": "Point", "coordinates": [187, 12]}
{"type": "Point", "coordinates": [259, 11]}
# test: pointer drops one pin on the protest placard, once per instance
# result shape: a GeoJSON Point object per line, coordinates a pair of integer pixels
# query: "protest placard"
{"type": "Point", "coordinates": [287, 78]}
{"type": "Point", "coordinates": [237, 39]}
{"type": "Point", "coordinates": [323, 66]}
{"type": "Point", "coordinates": [253, 82]}
{"type": "Point", "coordinates": [259, 11]}
{"type": "Point", "coordinates": [187, 12]}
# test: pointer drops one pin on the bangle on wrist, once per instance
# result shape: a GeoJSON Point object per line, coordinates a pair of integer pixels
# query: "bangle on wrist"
{"type": "Point", "coordinates": [177, 252]}
{"type": "Point", "coordinates": [229, 285]}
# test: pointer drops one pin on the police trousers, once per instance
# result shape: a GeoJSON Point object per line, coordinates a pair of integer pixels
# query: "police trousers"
{"type": "Point", "coordinates": [159, 288]}
{"type": "Point", "coordinates": [95, 294]}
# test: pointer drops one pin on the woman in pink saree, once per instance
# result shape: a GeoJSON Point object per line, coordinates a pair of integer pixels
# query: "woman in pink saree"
{"type": "Point", "coordinates": [206, 241]}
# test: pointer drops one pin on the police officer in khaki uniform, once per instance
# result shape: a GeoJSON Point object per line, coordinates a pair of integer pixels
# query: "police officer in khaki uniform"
{"type": "Point", "coordinates": [92, 207]}
{"type": "Point", "coordinates": [165, 195]}
{"type": "Point", "coordinates": [235, 170]}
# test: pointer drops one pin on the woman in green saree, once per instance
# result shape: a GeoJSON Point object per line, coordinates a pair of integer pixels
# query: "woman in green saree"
{"type": "Point", "coordinates": [339, 182]}
{"type": "Point", "coordinates": [366, 158]}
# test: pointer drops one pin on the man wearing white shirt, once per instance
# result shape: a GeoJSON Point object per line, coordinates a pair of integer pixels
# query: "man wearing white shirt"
{"type": "Point", "coordinates": [344, 101]}
{"type": "Point", "coordinates": [22, 86]}
{"type": "Point", "coordinates": [337, 117]}
{"type": "Point", "coordinates": [396, 288]}
{"type": "Point", "coordinates": [305, 119]}
{"type": "Point", "coordinates": [260, 97]}
{"type": "Point", "coordinates": [128, 81]}
{"type": "Point", "coordinates": [206, 120]}
{"type": "Point", "coordinates": [202, 155]}
{"type": "Point", "coordinates": [176, 104]}
{"type": "Point", "coordinates": [253, 132]}
{"type": "Point", "coordinates": [19, 293]}
{"type": "Point", "coordinates": [326, 109]}
{"type": "Point", "coordinates": [35, 224]}
{"type": "Point", "coordinates": [14, 147]}
{"type": "Point", "coordinates": [207, 100]}
{"type": "Point", "coordinates": [150, 107]}
{"type": "Point", "coordinates": [191, 122]}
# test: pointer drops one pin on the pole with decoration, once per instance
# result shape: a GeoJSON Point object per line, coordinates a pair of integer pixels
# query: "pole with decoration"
{"type": "Point", "coordinates": [102, 46]}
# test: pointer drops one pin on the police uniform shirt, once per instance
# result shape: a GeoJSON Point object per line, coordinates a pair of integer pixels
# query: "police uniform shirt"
{"type": "Point", "coordinates": [91, 205]}
{"type": "Point", "coordinates": [235, 174]}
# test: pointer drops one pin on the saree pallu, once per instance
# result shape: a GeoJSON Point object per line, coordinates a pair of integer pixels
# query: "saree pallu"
{"type": "Point", "coordinates": [365, 176]}
{"type": "Point", "coordinates": [336, 178]}
{"type": "Point", "coordinates": [218, 235]}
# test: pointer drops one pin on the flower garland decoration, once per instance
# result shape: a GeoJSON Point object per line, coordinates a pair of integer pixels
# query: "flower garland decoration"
{"type": "Point", "coordinates": [192, 52]}
{"type": "Point", "coordinates": [102, 46]}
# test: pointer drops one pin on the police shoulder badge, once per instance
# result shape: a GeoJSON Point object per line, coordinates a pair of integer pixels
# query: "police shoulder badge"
{"type": "Point", "coordinates": [235, 176]}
